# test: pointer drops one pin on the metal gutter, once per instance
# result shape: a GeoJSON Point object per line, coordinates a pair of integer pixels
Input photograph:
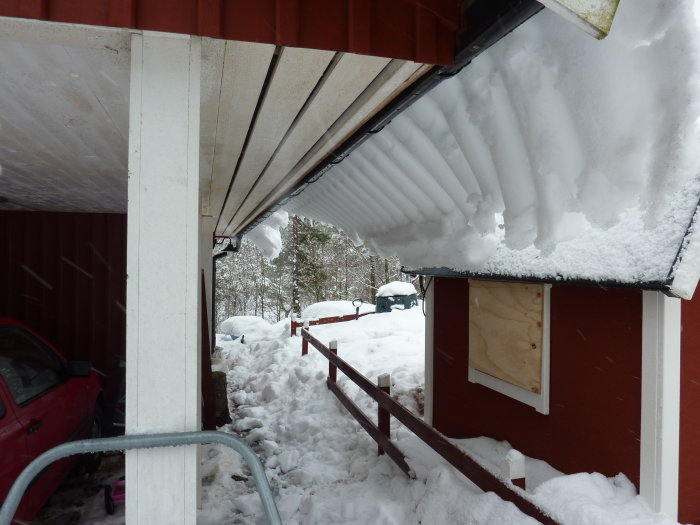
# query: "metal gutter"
{"type": "Point", "coordinates": [223, 253]}
{"type": "Point", "coordinates": [486, 22]}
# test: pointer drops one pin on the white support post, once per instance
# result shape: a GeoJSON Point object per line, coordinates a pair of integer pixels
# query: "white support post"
{"type": "Point", "coordinates": [429, 304]}
{"type": "Point", "coordinates": [163, 286]}
{"type": "Point", "coordinates": [661, 371]}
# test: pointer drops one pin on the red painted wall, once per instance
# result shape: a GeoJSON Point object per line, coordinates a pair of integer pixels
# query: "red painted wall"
{"type": "Point", "coordinates": [689, 475]}
{"type": "Point", "coordinates": [595, 385]}
{"type": "Point", "coordinates": [64, 274]}
{"type": "Point", "coordinates": [419, 30]}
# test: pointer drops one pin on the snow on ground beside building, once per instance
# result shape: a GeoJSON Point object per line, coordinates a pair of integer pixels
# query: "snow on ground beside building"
{"type": "Point", "coordinates": [324, 468]}
{"type": "Point", "coordinates": [249, 325]}
{"type": "Point", "coordinates": [333, 309]}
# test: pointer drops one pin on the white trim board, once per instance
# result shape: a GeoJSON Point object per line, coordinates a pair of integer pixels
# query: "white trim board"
{"type": "Point", "coordinates": [539, 402]}
{"type": "Point", "coordinates": [661, 373]}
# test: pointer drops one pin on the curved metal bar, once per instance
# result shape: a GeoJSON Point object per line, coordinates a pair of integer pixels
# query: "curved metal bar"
{"type": "Point", "coordinates": [137, 441]}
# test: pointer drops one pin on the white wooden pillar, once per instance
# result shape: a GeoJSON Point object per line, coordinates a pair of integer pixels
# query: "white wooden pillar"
{"type": "Point", "coordinates": [429, 304]}
{"type": "Point", "coordinates": [163, 286]}
{"type": "Point", "coordinates": [661, 372]}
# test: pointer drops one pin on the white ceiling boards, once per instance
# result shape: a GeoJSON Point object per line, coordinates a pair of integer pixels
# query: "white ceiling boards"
{"type": "Point", "coordinates": [268, 115]}
{"type": "Point", "coordinates": [64, 106]}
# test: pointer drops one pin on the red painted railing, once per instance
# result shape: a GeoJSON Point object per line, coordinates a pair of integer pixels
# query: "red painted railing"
{"type": "Point", "coordinates": [476, 473]}
{"type": "Point", "coordinates": [325, 320]}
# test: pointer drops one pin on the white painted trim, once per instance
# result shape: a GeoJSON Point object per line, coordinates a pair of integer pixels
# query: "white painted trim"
{"type": "Point", "coordinates": [594, 20]}
{"type": "Point", "coordinates": [660, 432]}
{"type": "Point", "coordinates": [163, 266]}
{"type": "Point", "coordinates": [428, 389]}
{"type": "Point", "coordinates": [539, 402]}
{"type": "Point", "coordinates": [686, 273]}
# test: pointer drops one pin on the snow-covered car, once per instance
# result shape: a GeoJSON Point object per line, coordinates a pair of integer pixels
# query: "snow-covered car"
{"type": "Point", "coordinates": [45, 400]}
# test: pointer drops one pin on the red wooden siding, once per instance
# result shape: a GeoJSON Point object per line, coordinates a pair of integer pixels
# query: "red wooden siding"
{"type": "Point", "coordinates": [595, 396]}
{"type": "Point", "coordinates": [418, 30]}
{"type": "Point", "coordinates": [64, 275]}
{"type": "Point", "coordinates": [689, 475]}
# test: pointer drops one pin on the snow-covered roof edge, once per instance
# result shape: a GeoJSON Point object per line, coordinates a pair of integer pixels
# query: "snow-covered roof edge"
{"type": "Point", "coordinates": [628, 205]}
{"type": "Point", "coordinates": [554, 279]}
{"type": "Point", "coordinates": [686, 271]}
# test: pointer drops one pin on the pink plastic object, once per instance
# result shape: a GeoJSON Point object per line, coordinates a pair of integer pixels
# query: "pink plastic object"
{"type": "Point", "coordinates": [114, 493]}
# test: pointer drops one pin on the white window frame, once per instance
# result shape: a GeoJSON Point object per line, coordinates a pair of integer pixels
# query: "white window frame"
{"type": "Point", "coordinates": [539, 402]}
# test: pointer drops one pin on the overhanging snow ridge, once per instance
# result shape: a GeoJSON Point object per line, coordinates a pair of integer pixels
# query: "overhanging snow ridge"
{"type": "Point", "coordinates": [551, 154]}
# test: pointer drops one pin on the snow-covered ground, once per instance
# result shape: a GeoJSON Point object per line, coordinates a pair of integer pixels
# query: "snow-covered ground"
{"type": "Point", "coordinates": [324, 468]}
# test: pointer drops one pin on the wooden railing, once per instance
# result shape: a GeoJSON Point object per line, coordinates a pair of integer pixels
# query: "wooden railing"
{"type": "Point", "coordinates": [476, 473]}
{"type": "Point", "coordinates": [299, 323]}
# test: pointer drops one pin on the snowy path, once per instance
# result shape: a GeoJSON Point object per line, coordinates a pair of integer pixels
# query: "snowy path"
{"type": "Point", "coordinates": [325, 468]}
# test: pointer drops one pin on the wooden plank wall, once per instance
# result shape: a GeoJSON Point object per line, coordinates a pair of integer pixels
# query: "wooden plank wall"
{"type": "Point", "coordinates": [595, 386]}
{"type": "Point", "coordinates": [64, 275]}
{"type": "Point", "coordinates": [689, 461]}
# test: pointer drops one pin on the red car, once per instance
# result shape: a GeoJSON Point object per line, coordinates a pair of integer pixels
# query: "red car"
{"type": "Point", "coordinates": [44, 401]}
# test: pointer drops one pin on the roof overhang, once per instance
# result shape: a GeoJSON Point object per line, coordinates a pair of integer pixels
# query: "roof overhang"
{"type": "Point", "coordinates": [268, 115]}
{"type": "Point", "coordinates": [482, 163]}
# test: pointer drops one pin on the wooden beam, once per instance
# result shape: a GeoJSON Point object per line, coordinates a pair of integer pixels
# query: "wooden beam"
{"type": "Point", "coordinates": [391, 450]}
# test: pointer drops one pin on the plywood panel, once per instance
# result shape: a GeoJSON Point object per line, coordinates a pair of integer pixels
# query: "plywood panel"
{"type": "Point", "coordinates": [505, 331]}
{"type": "Point", "coordinates": [296, 73]}
{"type": "Point", "coordinates": [234, 73]}
{"type": "Point", "coordinates": [341, 87]}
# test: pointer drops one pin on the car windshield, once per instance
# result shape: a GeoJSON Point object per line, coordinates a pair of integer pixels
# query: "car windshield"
{"type": "Point", "coordinates": [27, 365]}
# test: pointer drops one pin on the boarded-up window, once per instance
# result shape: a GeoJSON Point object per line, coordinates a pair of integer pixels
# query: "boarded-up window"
{"type": "Point", "coordinates": [509, 339]}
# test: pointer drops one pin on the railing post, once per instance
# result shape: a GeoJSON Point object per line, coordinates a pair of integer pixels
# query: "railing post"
{"type": "Point", "coordinates": [305, 341]}
{"type": "Point", "coordinates": [293, 324]}
{"type": "Point", "coordinates": [332, 370]}
{"type": "Point", "coordinates": [513, 466]}
{"type": "Point", "coordinates": [383, 416]}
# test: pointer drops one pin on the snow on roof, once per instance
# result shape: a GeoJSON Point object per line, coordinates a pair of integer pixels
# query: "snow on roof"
{"type": "Point", "coordinates": [267, 235]}
{"type": "Point", "coordinates": [551, 155]}
{"type": "Point", "coordinates": [396, 288]}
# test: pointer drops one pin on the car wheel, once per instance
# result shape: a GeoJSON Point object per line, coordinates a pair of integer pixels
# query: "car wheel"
{"type": "Point", "coordinates": [92, 461]}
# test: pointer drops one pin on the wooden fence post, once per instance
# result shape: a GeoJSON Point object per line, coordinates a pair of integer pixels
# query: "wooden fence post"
{"type": "Point", "coordinates": [383, 416]}
{"type": "Point", "coordinates": [332, 370]}
{"type": "Point", "coordinates": [305, 341]}
{"type": "Point", "coordinates": [513, 466]}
